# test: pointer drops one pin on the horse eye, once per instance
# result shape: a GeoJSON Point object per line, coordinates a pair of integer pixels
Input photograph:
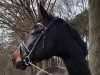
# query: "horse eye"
{"type": "Point", "coordinates": [13, 60]}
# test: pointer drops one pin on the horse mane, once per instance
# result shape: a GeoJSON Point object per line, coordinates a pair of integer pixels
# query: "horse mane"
{"type": "Point", "coordinates": [75, 34]}
{"type": "Point", "coordinates": [54, 70]}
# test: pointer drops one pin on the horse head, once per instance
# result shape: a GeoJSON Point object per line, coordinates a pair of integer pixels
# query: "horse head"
{"type": "Point", "coordinates": [40, 44]}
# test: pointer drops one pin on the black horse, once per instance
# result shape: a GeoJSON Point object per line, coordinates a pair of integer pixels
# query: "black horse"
{"type": "Point", "coordinates": [54, 37]}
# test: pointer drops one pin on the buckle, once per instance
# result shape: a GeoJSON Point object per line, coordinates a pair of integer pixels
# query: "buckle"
{"type": "Point", "coordinates": [27, 60]}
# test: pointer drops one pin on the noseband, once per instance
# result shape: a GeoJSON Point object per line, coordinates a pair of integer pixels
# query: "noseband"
{"type": "Point", "coordinates": [42, 35]}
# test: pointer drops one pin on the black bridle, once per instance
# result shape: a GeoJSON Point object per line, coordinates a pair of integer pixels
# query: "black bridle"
{"type": "Point", "coordinates": [42, 35]}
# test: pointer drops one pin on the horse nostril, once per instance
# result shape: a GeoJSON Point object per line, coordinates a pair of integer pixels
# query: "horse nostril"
{"type": "Point", "coordinates": [12, 60]}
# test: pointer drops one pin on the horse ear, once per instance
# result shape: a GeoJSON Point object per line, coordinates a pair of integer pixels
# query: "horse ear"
{"type": "Point", "coordinates": [43, 13]}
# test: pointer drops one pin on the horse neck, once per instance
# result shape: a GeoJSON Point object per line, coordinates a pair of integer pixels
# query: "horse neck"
{"type": "Point", "coordinates": [60, 48]}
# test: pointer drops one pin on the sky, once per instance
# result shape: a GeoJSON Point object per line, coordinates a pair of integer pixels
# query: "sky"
{"type": "Point", "coordinates": [75, 10]}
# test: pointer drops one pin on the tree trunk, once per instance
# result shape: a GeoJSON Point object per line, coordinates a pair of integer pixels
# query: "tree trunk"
{"type": "Point", "coordinates": [94, 36]}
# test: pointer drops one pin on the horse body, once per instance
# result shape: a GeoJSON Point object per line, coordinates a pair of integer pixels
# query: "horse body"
{"type": "Point", "coordinates": [62, 40]}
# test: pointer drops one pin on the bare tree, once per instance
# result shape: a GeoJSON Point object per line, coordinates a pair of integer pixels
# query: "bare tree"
{"type": "Point", "coordinates": [19, 16]}
{"type": "Point", "coordinates": [94, 36]}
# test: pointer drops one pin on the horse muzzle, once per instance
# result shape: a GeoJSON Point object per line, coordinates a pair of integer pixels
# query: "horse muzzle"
{"type": "Point", "coordinates": [20, 65]}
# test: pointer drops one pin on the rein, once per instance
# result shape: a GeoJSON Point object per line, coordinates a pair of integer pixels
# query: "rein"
{"type": "Point", "coordinates": [40, 68]}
